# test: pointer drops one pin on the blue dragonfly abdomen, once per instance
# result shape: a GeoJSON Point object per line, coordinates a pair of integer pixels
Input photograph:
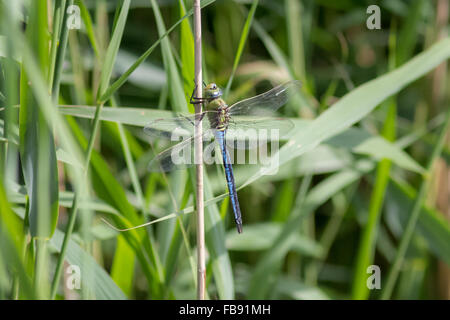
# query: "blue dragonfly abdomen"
{"type": "Point", "coordinates": [220, 138]}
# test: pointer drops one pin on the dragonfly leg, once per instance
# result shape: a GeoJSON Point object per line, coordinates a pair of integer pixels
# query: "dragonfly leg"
{"type": "Point", "coordinates": [200, 119]}
{"type": "Point", "coordinates": [196, 100]}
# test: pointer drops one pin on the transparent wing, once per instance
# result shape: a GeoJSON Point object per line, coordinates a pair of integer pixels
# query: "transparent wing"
{"type": "Point", "coordinates": [280, 125]}
{"type": "Point", "coordinates": [176, 157]}
{"type": "Point", "coordinates": [181, 155]}
{"type": "Point", "coordinates": [245, 132]}
{"type": "Point", "coordinates": [181, 126]}
{"type": "Point", "coordinates": [240, 135]}
{"type": "Point", "coordinates": [266, 103]}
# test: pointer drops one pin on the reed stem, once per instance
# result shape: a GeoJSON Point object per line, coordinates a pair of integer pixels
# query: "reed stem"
{"type": "Point", "coordinates": [201, 269]}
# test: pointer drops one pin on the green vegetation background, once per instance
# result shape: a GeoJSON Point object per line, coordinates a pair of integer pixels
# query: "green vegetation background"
{"type": "Point", "coordinates": [362, 178]}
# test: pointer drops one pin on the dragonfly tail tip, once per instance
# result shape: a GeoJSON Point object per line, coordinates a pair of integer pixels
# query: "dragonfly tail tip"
{"type": "Point", "coordinates": [239, 228]}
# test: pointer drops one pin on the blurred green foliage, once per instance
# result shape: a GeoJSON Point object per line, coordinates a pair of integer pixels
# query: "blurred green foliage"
{"type": "Point", "coordinates": [367, 147]}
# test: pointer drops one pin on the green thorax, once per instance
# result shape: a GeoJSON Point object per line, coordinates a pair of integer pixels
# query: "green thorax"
{"type": "Point", "coordinates": [220, 118]}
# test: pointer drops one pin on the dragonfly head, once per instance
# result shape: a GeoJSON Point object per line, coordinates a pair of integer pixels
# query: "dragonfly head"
{"type": "Point", "coordinates": [212, 91]}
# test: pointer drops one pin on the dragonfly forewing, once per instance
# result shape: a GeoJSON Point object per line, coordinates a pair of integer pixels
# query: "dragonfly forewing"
{"type": "Point", "coordinates": [267, 103]}
{"type": "Point", "coordinates": [178, 127]}
{"type": "Point", "coordinates": [181, 155]}
{"type": "Point", "coordinates": [250, 126]}
{"type": "Point", "coordinates": [250, 132]}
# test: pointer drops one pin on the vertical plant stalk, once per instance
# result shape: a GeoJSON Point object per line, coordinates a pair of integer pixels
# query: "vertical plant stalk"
{"type": "Point", "coordinates": [411, 224]}
{"type": "Point", "coordinates": [198, 150]}
{"type": "Point", "coordinates": [60, 34]}
{"type": "Point", "coordinates": [63, 37]}
{"type": "Point", "coordinates": [366, 251]}
{"type": "Point", "coordinates": [58, 15]}
{"type": "Point", "coordinates": [75, 205]}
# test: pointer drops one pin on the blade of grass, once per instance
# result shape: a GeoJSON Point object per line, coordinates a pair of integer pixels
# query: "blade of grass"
{"type": "Point", "coordinates": [45, 103]}
{"type": "Point", "coordinates": [108, 188]}
{"type": "Point", "coordinates": [62, 45]}
{"type": "Point", "coordinates": [89, 28]}
{"type": "Point", "coordinates": [122, 270]}
{"type": "Point", "coordinates": [36, 141]}
{"type": "Point", "coordinates": [80, 84]}
{"type": "Point", "coordinates": [37, 151]}
{"type": "Point", "coordinates": [123, 249]}
{"type": "Point", "coordinates": [431, 224]}
{"type": "Point", "coordinates": [294, 289]}
{"type": "Point", "coordinates": [215, 240]}
{"type": "Point", "coordinates": [270, 263]}
{"type": "Point", "coordinates": [123, 78]}
{"type": "Point", "coordinates": [354, 106]}
{"type": "Point", "coordinates": [175, 85]}
{"type": "Point", "coordinates": [357, 140]}
{"type": "Point", "coordinates": [130, 165]}
{"type": "Point", "coordinates": [260, 236]}
{"type": "Point", "coordinates": [408, 34]}
{"type": "Point", "coordinates": [113, 48]}
{"type": "Point", "coordinates": [341, 206]}
{"type": "Point", "coordinates": [178, 101]}
{"type": "Point", "coordinates": [174, 249]}
{"type": "Point", "coordinates": [280, 58]}
{"type": "Point", "coordinates": [58, 15]}
{"type": "Point", "coordinates": [295, 34]}
{"type": "Point", "coordinates": [366, 249]}
{"type": "Point", "coordinates": [242, 42]}
{"type": "Point", "coordinates": [187, 54]}
{"type": "Point", "coordinates": [10, 123]}
{"type": "Point", "coordinates": [177, 98]}
{"type": "Point", "coordinates": [111, 54]}
{"type": "Point", "coordinates": [415, 213]}
{"type": "Point", "coordinates": [176, 186]}
{"type": "Point", "coordinates": [12, 238]}
{"type": "Point", "coordinates": [41, 93]}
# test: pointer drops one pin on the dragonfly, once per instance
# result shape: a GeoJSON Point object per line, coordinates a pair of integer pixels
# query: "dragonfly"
{"type": "Point", "coordinates": [218, 121]}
